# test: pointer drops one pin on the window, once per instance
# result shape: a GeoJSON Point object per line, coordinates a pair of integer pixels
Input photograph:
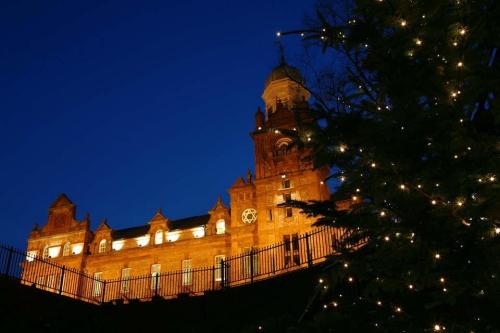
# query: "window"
{"type": "Point", "coordinates": [125, 285]}
{"type": "Point", "coordinates": [96, 290]}
{"type": "Point", "coordinates": [159, 237]}
{"type": "Point", "coordinates": [54, 251]}
{"type": "Point", "coordinates": [291, 244]}
{"type": "Point", "coordinates": [270, 214]}
{"type": "Point", "coordinates": [287, 197]}
{"type": "Point", "coordinates": [187, 274]}
{"type": "Point", "coordinates": [102, 246]}
{"type": "Point", "coordinates": [220, 227]}
{"type": "Point", "coordinates": [31, 255]}
{"type": "Point", "coordinates": [288, 212]}
{"type": "Point", "coordinates": [45, 252]}
{"type": "Point", "coordinates": [155, 276]}
{"type": "Point", "coordinates": [250, 262]}
{"type": "Point", "coordinates": [218, 266]}
{"type": "Point", "coordinates": [66, 249]}
{"type": "Point", "coordinates": [285, 184]}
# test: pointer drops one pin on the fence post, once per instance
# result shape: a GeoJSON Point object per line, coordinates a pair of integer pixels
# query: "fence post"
{"type": "Point", "coordinates": [251, 264]}
{"type": "Point", "coordinates": [222, 274]}
{"type": "Point", "coordinates": [156, 283]}
{"type": "Point", "coordinates": [213, 277]}
{"type": "Point", "coordinates": [9, 259]}
{"type": "Point", "coordinates": [63, 269]}
{"type": "Point", "coordinates": [103, 291]}
{"type": "Point", "coordinates": [308, 251]}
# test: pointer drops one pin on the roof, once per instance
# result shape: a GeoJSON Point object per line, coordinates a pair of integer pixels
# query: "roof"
{"type": "Point", "coordinates": [186, 223]}
{"type": "Point", "coordinates": [284, 71]}
{"type": "Point", "coordinates": [190, 222]}
{"type": "Point", "coordinates": [130, 232]}
{"type": "Point", "coordinates": [62, 201]}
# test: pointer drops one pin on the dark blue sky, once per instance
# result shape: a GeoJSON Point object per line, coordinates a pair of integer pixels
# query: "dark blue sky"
{"type": "Point", "coordinates": [129, 106]}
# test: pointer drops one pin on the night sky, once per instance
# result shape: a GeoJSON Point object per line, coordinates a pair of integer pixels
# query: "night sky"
{"type": "Point", "coordinates": [130, 106]}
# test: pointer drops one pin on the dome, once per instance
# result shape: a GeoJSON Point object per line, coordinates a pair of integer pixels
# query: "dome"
{"type": "Point", "coordinates": [284, 71]}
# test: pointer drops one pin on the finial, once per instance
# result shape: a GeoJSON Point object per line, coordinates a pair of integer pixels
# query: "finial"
{"type": "Point", "coordinates": [281, 52]}
{"type": "Point", "coordinates": [249, 176]}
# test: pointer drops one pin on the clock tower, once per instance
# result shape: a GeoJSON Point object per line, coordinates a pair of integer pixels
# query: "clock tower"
{"type": "Point", "coordinates": [283, 171]}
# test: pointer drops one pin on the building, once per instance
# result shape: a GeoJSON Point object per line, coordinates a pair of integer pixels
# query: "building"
{"type": "Point", "coordinates": [283, 172]}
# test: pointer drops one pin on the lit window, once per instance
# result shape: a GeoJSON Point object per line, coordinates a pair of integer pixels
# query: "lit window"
{"type": "Point", "coordinates": [172, 236]}
{"type": "Point", "coordinates": [54, 251]}
{"type": "Point", "coordinates": [220, 227]}
{"type": "Point", "coordinates": [31, 255]}
{"type": "Point", "coordinates": [143, 240]}
{"type": "Point", "coordinates": [198, 232]}
{"type": "Point", "coordinates": [77, 248]}
{"type": "Point", "coordinates": [187, 273]}
{"type": "Point", "coordinates": [125, 283]}
{"type": "Point", "coordinates": [97, 284]}
{"type": "Point", "coordinates": [218, 267]}
{"type": "Point", "coordinates": [117, 245]}
{"type": "Point", "coordinates": [159, 237]}
{"type": "Point", "coordinates": [45, 252]}
{"type": "Point", "coordinates": [250, 262]}
{"type": "Point", "coordinates": [155, 275]}
{"type": "Point", "coordinates": [102, 246]}
{"type": "Point", "coordinates": [66, 249]}
{"type": "Point", "coordinates": [285, 183]}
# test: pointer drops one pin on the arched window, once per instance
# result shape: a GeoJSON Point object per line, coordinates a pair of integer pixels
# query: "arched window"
{"type": "Point", "coordinates": [159, 237]}
{"type": "Point", "coordinates": [66, 249]}
{"type": "Point", "coordinates": [220, 227]}
{"type": "Point", "coordinates": [282, 146]}
{"type": "Point", "coordinates": [102, 246]}
{"type": "Point", "coordinates": [45, 252]}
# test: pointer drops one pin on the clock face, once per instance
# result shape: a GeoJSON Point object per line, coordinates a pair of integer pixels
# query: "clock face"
{"type": "Point", "coordinates": [249, 216]}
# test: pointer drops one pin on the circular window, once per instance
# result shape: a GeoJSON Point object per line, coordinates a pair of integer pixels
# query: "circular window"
{"type": "Point", "coordinates": [249, 215]}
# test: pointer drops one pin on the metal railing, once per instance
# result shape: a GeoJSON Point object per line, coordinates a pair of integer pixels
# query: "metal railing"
{"type": "Point", "coordinates": [296, 252]}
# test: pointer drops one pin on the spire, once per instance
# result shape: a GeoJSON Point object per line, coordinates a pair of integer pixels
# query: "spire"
{"type": "Point", "coordinates": [259, 119]}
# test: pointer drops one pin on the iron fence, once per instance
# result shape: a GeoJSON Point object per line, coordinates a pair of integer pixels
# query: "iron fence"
{"type": "Point", "coordinates": [295, 252]}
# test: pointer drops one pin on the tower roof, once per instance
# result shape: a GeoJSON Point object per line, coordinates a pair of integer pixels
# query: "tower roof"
{"type": "Point", "coordinates": [61, 201]}
{"type": "Point", "coordinates": [283, 71]}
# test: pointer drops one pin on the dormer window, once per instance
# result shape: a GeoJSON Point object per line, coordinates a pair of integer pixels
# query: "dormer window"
{"type": "Point", "coordinates": [66, 249]}
{"type": "Point", "coordinates": [102, 246]}
{"type": "Point", "coordinates": [45, 254]}
{"type": "Point", "coordinates": [159, 237]}
{"type": "Point", "coordinates": [220, 227]}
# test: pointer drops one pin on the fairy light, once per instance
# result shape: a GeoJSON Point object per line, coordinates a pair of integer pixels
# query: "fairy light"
{"type": "Point", "coordinates": [403, 23]}
{"type": "Point", "coordinates": [437, 256]}
{"type": "Point", "coordinates": [497, 230]}
{"type": "Point", "coordinates": [410, 286]}
{"type": "Point", "coordinates": [419, 186]}
{"type": "Point", "coordinates": [462, 31]}
{"type": "Point", "coordinates": [379, 303]}
{"type": "Point", "coordinates": [398, 309]}
{"type": "Point", "coordinates": [460, 64]}
{"type": "Point", "coordinates": [342, 178]}
{"type": "Point", "coordinates": [442, 280]}
{"type": "Point", "coordinates": [491, 179]}
{"type": "Point", "coordinates": [402, 186]}
{"type": "Point", "coordinates": [358, 190]}
{"type": "Point", "coordinates": [433, 202]}
{"type": "Point", "coordinates": [387, 238]}
{"type": "Point", "coordinates": [418, 41]}
{"type": "Point", "coordinates": [354, 198]}
{"type": "Point", "coordinates": [342, 148]}
{"type": "Point", "coordinates": [351, 279]}
{"type": "Point", "coordinates": [278, 34]}
{"type": "Point", "coordinates": [437, 328]}
{"type": "Point", "coordinates": [346, 265]}
{"type": "Point", "coordinates": [321, 281]}
{"type": "Point", "coordinates": [382, 213]}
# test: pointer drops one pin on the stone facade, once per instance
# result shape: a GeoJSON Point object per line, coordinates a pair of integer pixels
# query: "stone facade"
{"type": "Point", "coordinates": [253, 219]}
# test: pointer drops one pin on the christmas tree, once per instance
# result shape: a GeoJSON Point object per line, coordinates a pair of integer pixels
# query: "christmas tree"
{"type": "Point", "coordinates": [412, 137]}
